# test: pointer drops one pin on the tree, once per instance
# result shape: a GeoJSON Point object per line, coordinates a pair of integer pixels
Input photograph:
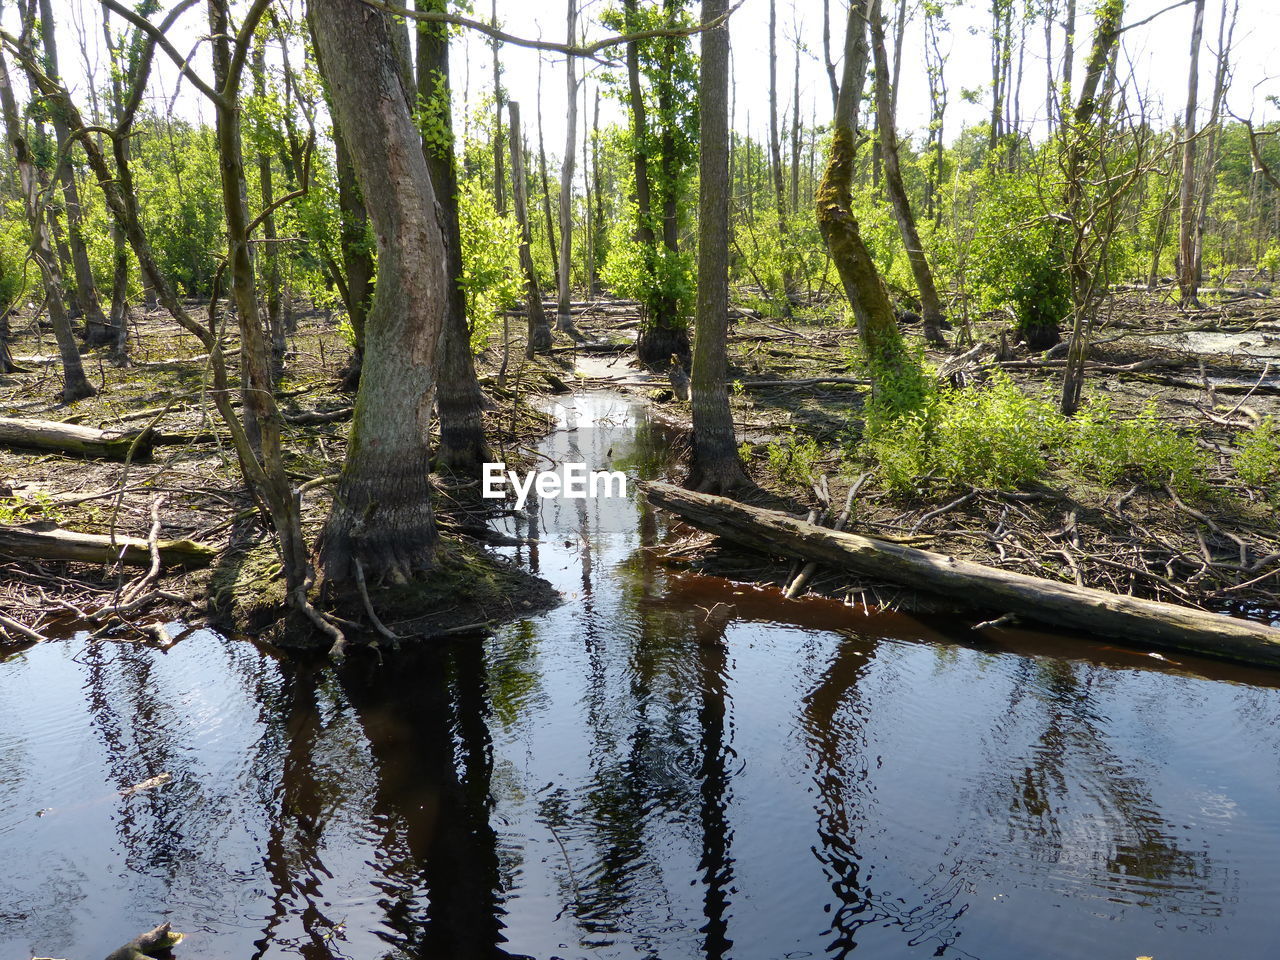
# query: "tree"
{"type": "Point", "coordinates": [775, 161]}
{"type": "Point", "coordinates": [97, 330]}
{"type": "Point", "coordinates": [462, 447]}
{"type": "Point", "coordinates": [564, 318]}
{"type": "Point", "coordinates": [893, 369]}
{"type": "Point", "coordinates": [75, 386]}
{"type": "Point", "coordinates": [930, 303]}
{"type": "Point", "coordinates": [1187, 282]}
{"type": "Point", "coordinates": [381, 524]}
{"type": "Point", "coordinates": [539, 336]}
{"type": "Point", "coordinates": [716, 466]}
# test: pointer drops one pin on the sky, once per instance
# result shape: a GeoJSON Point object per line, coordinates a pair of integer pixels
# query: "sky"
{"type": "Point", "coordinates": [1157, 53]}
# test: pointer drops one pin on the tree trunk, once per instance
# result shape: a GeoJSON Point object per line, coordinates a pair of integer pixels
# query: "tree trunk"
{"type": "Point", "coordinates": [930, 304]}
{"type": "Point", "coordinates": [119, 318]}
{"type": "Point", "coordinates": [775, 158]}
{"type": "Point", "coordinates": [75, 385]}
{"type": "Point", "coordinates": [715, 465]}
{"type": "Point", "coordinates": [1187, 286]}
{"type": "Point", "coordinates": [539, 337]}
{"type": "Point", "coordinates": [564, 319]}
{"type": "Point", "coordinates": [97, 331]}
{"type": "Point", "coordinates": [462, 446]}
{"type": "Point", "coordinates": [1097, 612]}
{"type": "Point", "coordinates": [269, 249]}
{"type": "Point", "coordinates": [553, 244]}
{"type": "Point", "coordinates": [381, 524]}
{"type": "Point", "coordinates": [1084, 290]}
{"type": "Point", "coordinates": [877, 327]}
{"type": "Point", "coordinates": [1209, 168]}
{"type": "Point", "coordinates": [499, 98]}
{"type": "Point", "coordinates": [356, 244]}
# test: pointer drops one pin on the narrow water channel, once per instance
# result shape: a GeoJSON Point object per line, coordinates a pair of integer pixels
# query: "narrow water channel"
{"type": "Point", "coordinates": [665, 766]}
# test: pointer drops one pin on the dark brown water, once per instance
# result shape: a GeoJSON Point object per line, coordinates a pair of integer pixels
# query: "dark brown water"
{"type": "Point", "coordinates": [666, 766]}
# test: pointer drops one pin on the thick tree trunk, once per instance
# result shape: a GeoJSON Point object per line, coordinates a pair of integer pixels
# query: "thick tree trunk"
{"type": "Point", "coordinates": [539, 335]}
{"type": "Point", "coordinates": [459, 402]}
{"type": "Point", "coordinates": [715, 465]}
{"type": "Point", "coordinates": [358, 264]}
{"type": "Point", "coordinates": [877, 326]}
{"type": "Point", "coordinates": [930, 303]}
{"type": "Point", "coordinates": [1188, 288]}
{"type": "Point", "coordinates": [97, 331]}
{"type": "Point", "coordinates": [75, 385]}
{"type": "Point", "coordinates": [1097, 612]}
{"type": "Point", "coordinates": [381, 518]}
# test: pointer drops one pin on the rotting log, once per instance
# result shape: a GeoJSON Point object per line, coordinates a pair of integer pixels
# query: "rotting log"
{"type": "Point", "coordinates": [153, 943]}
{"type": "Point", "coordinates": [73, 439]}
{"type": "Point", "coordinates": [1149, 623]}
{"type": "Point", "coordinates": [43, 541]}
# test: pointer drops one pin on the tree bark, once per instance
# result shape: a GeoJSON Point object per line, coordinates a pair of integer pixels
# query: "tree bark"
{"type": "Point", "coordinates": [1146, 622]}
{"type": "Point", "coordinates": [462, 447]}
{"type": "Point", "coordinates": [564, 319]}
{"type": "Point", "coordinates": [75, 386]}
{"type": "Point", "coordinates": [553, 244]}
{"type": "Point", "coordinates": [1188, 288]}
{"type": "Point", "coordinates": [877, 326]}
{"type": "Point", "coordinates": [269, 249]}
{"type": "Point", "coordinates": [73, 439]}
{"type": "Point", "coordinates": [381, 518]}
{"type": "Point", "coordinates": [38, 543]}
{"type": "Point", "coordinates": [716, 466]}
{"type": "Point", "coordinates": [97, 331]}
{"type": "Point", "coordinates": [930, 303]}
{"type": "Point", "coordinates": [539, 336]}
{"type": "Point", "coordinates": [775, 162]}
{"type": "Point", "coordinates": [499, 98]}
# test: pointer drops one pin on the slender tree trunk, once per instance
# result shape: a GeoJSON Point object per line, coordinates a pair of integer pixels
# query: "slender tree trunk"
{"type": "Point", "coordinates": [590, 188]}
{"type": "Point", "coordinates": [381, 524]}
{"type": "Point", "coordinates": [716, 466]}
{"type": "Point", "coordinates": [97, 330]}
{"type": "Point", "coordinates": [930, 303]}
{"type": "Point", "coordinates": [775, 157]}
{"type": "Point", "coordinates": [539, 339]}
{"type": "Point", "coordinates": [462, 447]}
{"type": "Point", "coordinates": [1084, 281]}
{"type": "Point", "coordinates": [877, 327]}
{"type": "Point", "coordinates": [1187, 286]}
{"type": "Point", "coordinates": [826, 54]}
{"type": "Point", "coordinates": [75, 386]}
{"type": "Point", "coordinates": [119, 319]}
{"type": "Point", "coordinates": [564, 318]}
{"type": "Point", "coordinates": [795, 132]}
{"type": "Point", "coordinates": [552, 243]}
{"type": "Point", "coordinates": [1209, 168]}
{"type": "Point", "coordinates": [499, 98]}
{"type": "Point", "coordinates": [269, 248]}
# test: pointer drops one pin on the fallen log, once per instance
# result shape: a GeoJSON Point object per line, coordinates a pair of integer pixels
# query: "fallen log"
{"type": "Point", "coordinates": [153, 943]}
{"type": "Point", "coordinates": [43, 541]}
{"type": "Point", "coordinates": [1148, 623]}
{"type": "Point", "coordinates": [73, 439]}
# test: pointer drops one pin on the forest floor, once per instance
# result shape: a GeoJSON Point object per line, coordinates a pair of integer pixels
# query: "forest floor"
{"type": "Point", "coordinates": [797, 400]}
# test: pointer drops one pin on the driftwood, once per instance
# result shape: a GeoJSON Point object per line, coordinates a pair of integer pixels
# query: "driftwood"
{"type": "Point", "coordinates": [43, 541]}
{"type": "Point", "coordinates": [153, 943]}
{"type": "Point", "coordinates": [1099, 613]}
{"type": "Point", "coordinates": [73, 439]}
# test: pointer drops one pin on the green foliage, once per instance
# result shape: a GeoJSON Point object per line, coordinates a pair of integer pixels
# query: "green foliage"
{"type": "Point", "coordinates": [1017, 258]}
{"type": "Point", "coordinates": [23, 509]}
{"type": "Point", "coordinates": [13, 260]}
{"type": "Point", "coordinates": [794, 460]}
{"type": "Point", "coordinates": [996, 436]}
{"type": "Point", "coordinates": [1104, 448]}
{"type": "Point", "coordinates": [491, 275]}
{"type": "Point", "coordinates": [1257, 462]}
{"type": "Point", "coordinates": [433, 119]}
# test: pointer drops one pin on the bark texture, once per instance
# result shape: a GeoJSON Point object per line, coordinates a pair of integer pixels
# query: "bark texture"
{"type": "Point", "coordinates": [462, 447]}
{"type": "Point", "coordinates": [1187, 283]}
{"type": "Point", "coordinates": [716, 466]}
{"type": "Point", "coordinates": [539, 336]}
{"type": "Point", "coordinates": [381, 517]}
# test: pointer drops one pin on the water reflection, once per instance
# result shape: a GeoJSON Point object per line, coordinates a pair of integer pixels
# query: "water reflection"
{"type": "Point", "coordinates": [667, 766]}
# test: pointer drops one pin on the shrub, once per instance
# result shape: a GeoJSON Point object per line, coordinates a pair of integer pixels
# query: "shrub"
{"type": "Point", "coordinates": [491, 274]}
{"type": "Point", "coordinates": [793, 460]}
{"type": "Point", "coordinates": [1258, 460]}
{"type": "Point", "coordinates": [1105, 448]}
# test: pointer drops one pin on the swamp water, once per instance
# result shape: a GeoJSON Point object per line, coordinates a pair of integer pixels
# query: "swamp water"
{"type": "Point", "coordinates": [665, 766]}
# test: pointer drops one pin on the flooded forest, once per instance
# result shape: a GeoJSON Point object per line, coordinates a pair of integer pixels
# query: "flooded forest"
{"type": "Point", "coordinates": [639, 479]}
